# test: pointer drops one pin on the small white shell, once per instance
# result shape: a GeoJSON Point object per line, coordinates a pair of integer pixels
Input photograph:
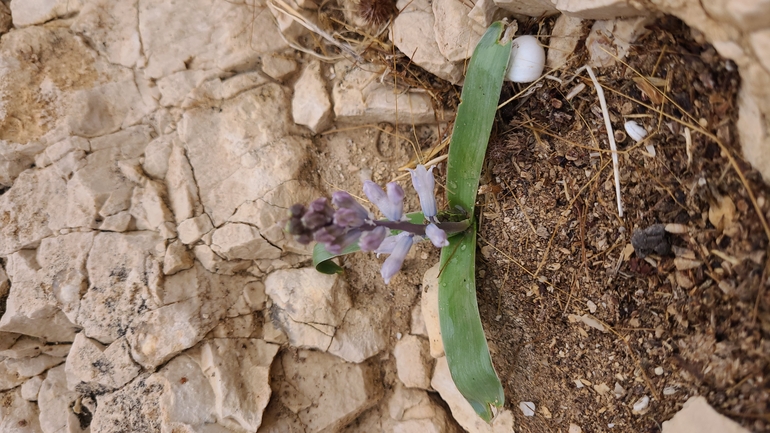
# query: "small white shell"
{"type": "Point", "coordinates": [527, 60]}
{"type": "Point", "coordinates": [635, 131]}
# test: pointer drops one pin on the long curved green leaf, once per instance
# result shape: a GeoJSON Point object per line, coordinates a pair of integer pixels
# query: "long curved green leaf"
{"type": "Point", "coordinates": [462, 333]}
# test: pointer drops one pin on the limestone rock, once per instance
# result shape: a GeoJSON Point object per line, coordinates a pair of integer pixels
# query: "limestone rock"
{"type": "Point", "coordinates": [106, 108]}
{"type": "Point", "coordinates": [23, 347]}
{"type": "Point", "coordinates": [614, 36]}
{"type": "Point", "coordinates": [56, 402]}
{"type": "Point", "coordinates": [112, 29]}
{"type": "Point", "coordinates": [178, 258]}
{"type": "Point", "coordinates": [120, 222]}
{"type": "Point", "coordinates": [30, 12]}
{"type": "Point", "coordinates": [413, 411]}
{"type": "Point", "coordinates": [753, 131]}
{"type": "Point", "coordinates": [310, 104]}
{"type": "Point", "coordinates": [148, 207]}
{"type": "Point", "coordinates": [194, 301]}
{"type": "Point", "coordinates": [748, 15]}
{"type": "Point", "coordinates": [566, 33]}
{"type": "Point", "coordinates": [91, 365]}
{"type": "Point", "coordinates": [698, 416]}
{"type": "Point", "coordinates": [6, 22]}
{"type": "Point", "coordinates": [462, 411]}
{"type": "Point", "coordinates": [191, 230]}
{"type": "Point", "coordinates": [242, 241]}
{"type": "Point", "coordinates": [363, 334]}
{"type": "Point", "coordinates": [31, 209]}
{"type": "Point", "coordinates": [413, 33]}
{"type": "Point", "coordinates": [180, 183]}
{"type": "Point", "coordinates": [238, 371]}
{"type": "Point", "coordinates": [307, 305]}
{"type": "Point", "coordinates": [599, 9]}
{"type": "Point", "coordinates": [17, 415]}
{"type": "Point", "coordinates": [325, 392]}
{"type": "Point", "coordinates": [429, 303]}
{"type": "Point", "coordinates": [9, 379]}
{"type": "Point", "coordinates": [530, 8]}
{"type": "Point", "coordinates": [31, 388]}
{"type": "Point", "coordinates": [216, 90]}
{"type": "Point", "coordinates": [278, 66]}
{"type": "Point", "coordinates": [156, 155]}
{"type": "Point", "coordinates": [123, 268]}
{"type": "Point", "coordinates": [241, 152]}
{"type": "Point", "coordinates": [360, 98]}
{"type": "Point", "coordinates": [456, 34]}
{"type": "Point", "coordinates": [175, 87]}
{"type": "Point", "coordinates": [132, 408]}
{"type": "Point", "coordinates": [28, 367]}
{"type": "Point", "coordinates": [213, 263]}
{"type": "Point", "coordinates": [171, 45]}
{"type": "Point", "coordinates": [32, 307]}
{"type": "Point", "coordinates": [5, 284]}
{"type": "Point", "coordinates": [417, 323]}
{"type": "Point", "coordinates": [413, 362]}
{"type": "Point", "coordinates": [485, 12]}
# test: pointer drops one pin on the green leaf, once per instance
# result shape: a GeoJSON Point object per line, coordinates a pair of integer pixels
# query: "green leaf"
{"type": "Point", "coordinates": [462, 333]}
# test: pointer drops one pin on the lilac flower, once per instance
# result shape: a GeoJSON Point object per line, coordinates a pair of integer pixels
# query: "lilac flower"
{"type": "Point", "coordinates": [391, 204]}
{"type": "Point", "coordinates": [387, 245]}
{"type": "Point", "coordinates": [348, 218]}
{"type": "Point", "coordinates": [343, 241]}
{"type": "Point", "coordinates": [320, 214]}
{"type": "Point", "coordinates": [372, 240]}
{"type": "Point", "coordinates": [393, 263]}
{"type": "Point", "coordinates": [424, 183]}
{"type": "Point", "coordinates": [436, 235]}
{"type": "Point", "coordinates": [343, 200]}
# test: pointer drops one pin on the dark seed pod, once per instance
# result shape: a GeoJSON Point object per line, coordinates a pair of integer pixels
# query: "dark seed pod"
{"type": "Point", "coordinates": [376, 12]}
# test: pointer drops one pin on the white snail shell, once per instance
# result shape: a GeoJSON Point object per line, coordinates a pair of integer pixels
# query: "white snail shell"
{"type": "Point", "coordinates": [635, 130]}
{"type": "Point", "coordinates": [527, 60]}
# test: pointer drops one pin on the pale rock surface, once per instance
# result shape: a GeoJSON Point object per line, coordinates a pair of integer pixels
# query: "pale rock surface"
{"type": "Point", "coordinates": [99, 189]}
{"type": "Point", "coordinates": [175, 87]}
{"type": "Point", "coordinates": [363, 334]}
{"type": "Point", "coordinates": [120, 222]}
{"type": "Point", "coordinates": [194, 302]}
{"type": "Point", "coordinates": [324, 391]}
{"type": "Point", "coordinates": [95, 367]}
{"type": "Point", "coordinates": [56, 402]}
{"type": "Point", "coordinates": [122, 268]}
{"type": "Point", "coordinates": [600, 9]}
{"type": "Point", "coordinates": [23, 347]}
{"type": "Point", "coordinates": [106, 108]}
{"type": "Point", "coordinates": [310, 105]}
{"type": "Point", "coordinates": [191, 230]}
{"type": "Point", "coordinates": [31, 308]}
{"type": "Point", "coordinates": [148, 207]}
{"type": "Point", "coordinates": [748, 15]}
{"type": "Point", "coordinates": [485, 12]}
{"type": "Point", "coordinates": [213, 263]}
{"type": "Point", "coordinates": [242, 241]}
{"type": "Point", "coordinates": [33, 207]}
{"type": "Point", "coordinates": [9, 379]}
{"type": "Point", "coordinates": [614, 36]}
{"type": "Point", "coordinates": [566, 33]}
{"type": "Point", "coordinates": [133, 408]}
{"type": "Point", "coordinates": [31, 388]}
{"type": "Point", "coordinates": [30, 12]}
{"type": "Point", "coordinates": [413, 32]}
{"type": "Point", "coordinates": [180, 184]}
{"type": "Point", "coordinates": [697, 416]}
{"type": "Point", "coordinates": [307, 305]}
{"type": "Point", "coordinates": [172, 45]}
{"type": "Point", "coordinates": [112, 28]}
{"type": "Point", "coordinates": [360, 98]}
{"type": "Point", "coordinates": [429, 304]}
{"type": "Point", "coordinates": [417, 322]}
{"type": "Point", "coordinates": [456, 34]}
{"type": "Point", "coordinates": [59, 150]}
{"type": "Point", "coordinates": [278, 66]}
{"type": "Point", "coordinates": [239, 373]}
{"type": "Point", "coordinates": [178, 258]}
{"type": "Point", "coordinates": [413, 411]}
{"type": "Point", "coordinates": [754, 132]}
{"type": "Point", "coordinates": [530, 8]}
{"type": "Point", "coordinates": [462, 411]}
{"type": "Point", "coordinates": [241, 152]}
{"type": "Point", "coordinates": [17, 415]}
{"type": "Point", "coordinates": [216, 90]}
{"type": "Point", "coordinates": [5, 285]}
{"type": "Point", "coordinates": [156, 155]}
{"type": "Point", "coordinates": [30, 367]}
{"type": "Point", "coordinates": [186, 402]}
{"type": "Point", "coordinates": [413, 362]}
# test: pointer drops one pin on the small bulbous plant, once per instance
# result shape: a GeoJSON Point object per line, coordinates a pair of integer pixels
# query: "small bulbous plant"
{"type": "Point", "coordinates": [345, 222]}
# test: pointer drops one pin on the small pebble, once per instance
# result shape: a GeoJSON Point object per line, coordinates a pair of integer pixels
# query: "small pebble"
{"type": "Point", "coordinates": [591, 307]}
{"type": "Point", "coordinates": [398, 336]}
{"type": "Point", "coordinates": [670, 390]}
{"type": "Point", "coordinates": [619, 390]}
{"type": "Point", "coordinates": [578, 383]}
{"type": "Point", "coordinates": [527, 408]}
{"type": "Point", "coordinates": [641, 404]}
{"type": "Point", "coordinates": [574, 428]}
{"type": "Point", "coordinates": [659, 371]}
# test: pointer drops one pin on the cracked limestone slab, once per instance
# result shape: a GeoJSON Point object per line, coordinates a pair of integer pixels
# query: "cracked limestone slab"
{"type": "Point", "coordinates": [310, 103]}
{"type": "Point", "coordinates": [235, 241]}
{"type": "Point", "coordinates": [239, 373]}
{"type": "Point", "coordinates": [363, 334]}
{"type": "Point", "coordinates": [171, 44]}
{"type": "Point", "coordinates": [56, 402]}
{"type": "Point", "coordinates": [413, 411]}
{"type": "Point", "coordinates": [456, 33]}
{"type": "Point", "coordinates": [181, 187]}
{"type": "Point", "coordinates": [599, 9]}
{"type": "Point", "coordinates": [96, 367]}
{"type": "Point", "coordinates": [18, 415]}
{"type": "Point", "coordinates": [429, 307]}
{"type": "Point", "coordinates": [112, 28]}
{"type": "Point", "coordinates": [124, 269]}
{"type": "Point", "coordinates": [242, 152]}
{"type": "Point", "coordinates": [132, 408]}
{"type": "Point", "coordinates": [530, 8]}
{"type": "Point", "coordinates": [29, 12]}
{"type": "Point", "coordinates": [413, 362]}
{"type": "Point", "coordinates": [307, 305]}
{"type": "Point", "coordinates": [194, 301]}
{"type": "Point", "coordinates": [324, 391]}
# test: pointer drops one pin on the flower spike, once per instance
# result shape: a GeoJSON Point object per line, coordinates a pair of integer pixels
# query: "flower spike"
{"type": "Point", "coordinates": [391, 204]}
{"type": "Point", "coordinates": [436, 235]}
{"type": "Point", "coordinates": [423, 182]}
{"type": "Point", "coordinates": [393, 263]}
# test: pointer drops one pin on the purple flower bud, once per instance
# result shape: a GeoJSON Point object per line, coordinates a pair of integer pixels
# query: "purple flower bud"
{"type": "Point", "coordinates": [328, 233]}
{"type": "Point", "coordinates": [343, 200]}
{"type": "Point", "coordinates": [436, 235]}
{"type": "Point", "coordinates": [297, 210]}
{"type": "Point", "coordinates": [424, 183]}
{"type": "Point", "coordinates": [393, 263]}
{"type": "Point", "coordinates": [371, 240]}
{"type": "Point", "coordinates": [391, 204]}
{"type": "Point", "coordinates": [321, 205]}
{"type": "Point", "coordinates": [348, 218]}
{"type": "Point", "coordinates": [319, 215]}
{"type": "Point", "coordinates": [343, 241]}
{"type": "Point", "coordinates": [304, 238]}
